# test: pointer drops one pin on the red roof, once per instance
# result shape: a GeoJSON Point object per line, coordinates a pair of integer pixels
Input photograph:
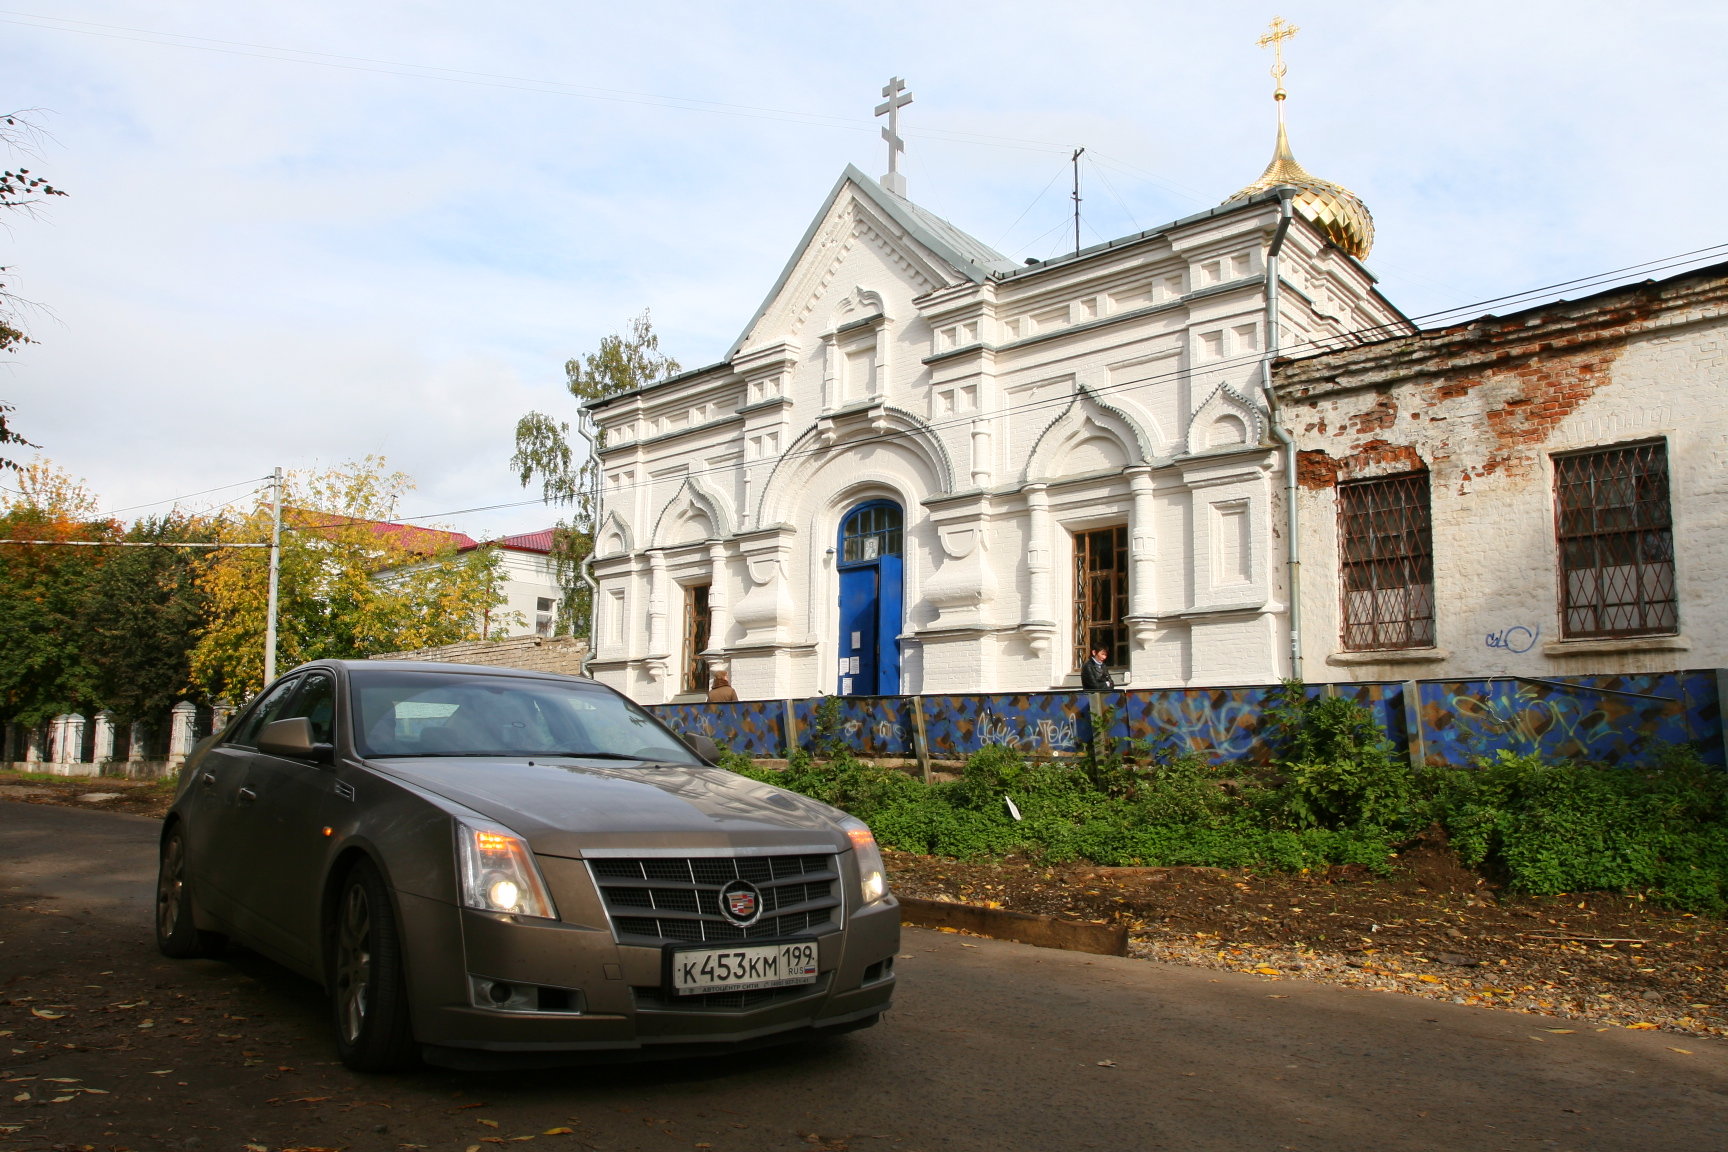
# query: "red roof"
{"type": "Point", "coordinates": [539, 542]}
{"type": "Point", "coordinates": [408, 537]}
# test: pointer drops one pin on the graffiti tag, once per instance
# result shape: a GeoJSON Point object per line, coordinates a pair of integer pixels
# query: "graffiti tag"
{"type": "Point", "coordinates": [1514, 639]}
{"type": "Point", "coordinates": [1056, 735]}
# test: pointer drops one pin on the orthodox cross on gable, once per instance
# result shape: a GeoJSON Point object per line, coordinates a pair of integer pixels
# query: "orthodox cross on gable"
{"type": "Point", "coordinates": [898, 98]}
{"type": "Point", "coordinates": [1281, 30]}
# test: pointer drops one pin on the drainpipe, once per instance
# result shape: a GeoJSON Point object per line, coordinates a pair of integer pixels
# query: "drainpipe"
{"type": "Point", "coordinates": [1292, 541]}
{"type": "Point", "coordinates": [586, 567]}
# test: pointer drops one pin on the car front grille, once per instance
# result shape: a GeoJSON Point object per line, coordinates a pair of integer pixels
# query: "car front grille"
{"type": "Point", "coordinates": [657, 900]}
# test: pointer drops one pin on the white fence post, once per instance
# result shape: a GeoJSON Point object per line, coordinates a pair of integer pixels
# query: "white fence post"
{"type": "Point", "coordinates": [137, 736]}
{"type": "Point", "coordinates": [103, 750]}
{"type": "Point", "coordinates": [180, 725]}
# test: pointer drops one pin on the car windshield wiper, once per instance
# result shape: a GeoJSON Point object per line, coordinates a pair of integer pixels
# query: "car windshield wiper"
{"type": "Point", "coordinates": [598, 756]}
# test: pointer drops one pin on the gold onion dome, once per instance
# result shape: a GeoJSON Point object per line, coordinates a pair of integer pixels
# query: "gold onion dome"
{"type": "Point", "coordinates": [1338, 212]}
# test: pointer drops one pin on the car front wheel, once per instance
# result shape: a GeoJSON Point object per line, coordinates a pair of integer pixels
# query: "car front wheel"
{"type": "Point", "coordinates": [177, 932]}
{"type": "Point", "coordinates": [368, 995]}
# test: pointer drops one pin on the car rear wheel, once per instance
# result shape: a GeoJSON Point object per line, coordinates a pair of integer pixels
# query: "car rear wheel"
{"type": "Point", "coordinates": [368, 995]}
{"type": "Point", "coordinates": [177, 931]}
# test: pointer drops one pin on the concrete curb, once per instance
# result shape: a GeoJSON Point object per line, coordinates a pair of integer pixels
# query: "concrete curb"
{"type": "Point", "coordinates": [1020, 927]}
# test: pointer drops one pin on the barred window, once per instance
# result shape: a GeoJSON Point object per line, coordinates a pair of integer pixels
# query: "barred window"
{"type": "Point", "coordinates": [1616, 542]}
{"type": "Point", "coordinates": [1386, 563]}
{"type": "Point", "coordinates": [1101, 594]}
{"type": "Point", "coordinates": [696, 619]}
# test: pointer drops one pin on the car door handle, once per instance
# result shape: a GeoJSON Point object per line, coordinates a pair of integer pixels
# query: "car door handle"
{"type": "Point", "coordinates": [209, 779]}
{"type": "Point", "coordinates": [247, 795]}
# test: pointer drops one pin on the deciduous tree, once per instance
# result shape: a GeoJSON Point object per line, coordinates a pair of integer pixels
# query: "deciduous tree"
{"type": "Point", "coordinates": [623, 362]}
{"type": "Point", "coordinates": [20, 191]}
{"type": "Point", "coordinates": [352, 584]}
{"type": "Point", "coordinates": [44, 667]}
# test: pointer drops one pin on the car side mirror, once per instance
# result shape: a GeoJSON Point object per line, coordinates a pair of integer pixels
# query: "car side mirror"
{"type": "Point", "coordinates": [704, 747]}
{"type": "Point", "coordinates": [293, 738]}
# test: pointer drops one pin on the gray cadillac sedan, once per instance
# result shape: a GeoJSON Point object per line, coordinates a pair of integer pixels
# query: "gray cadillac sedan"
{"type": "Point", "coordinates": [486, 865]}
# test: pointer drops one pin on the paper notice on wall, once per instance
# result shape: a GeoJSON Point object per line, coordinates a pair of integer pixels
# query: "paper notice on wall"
{"type": "Point", "coordinates": [846, 686]}
{"type": "Point", "coordinates": [854, 666]}
{"type": "Point", "coordinates": [857, 641]}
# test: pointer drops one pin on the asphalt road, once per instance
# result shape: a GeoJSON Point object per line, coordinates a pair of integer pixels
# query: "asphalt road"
{"type": "Point", "coordinates": [990, 1046]}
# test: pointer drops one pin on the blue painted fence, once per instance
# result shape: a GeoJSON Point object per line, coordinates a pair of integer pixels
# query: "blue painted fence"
{"type": "Point", "coordinates": [1609, 719]}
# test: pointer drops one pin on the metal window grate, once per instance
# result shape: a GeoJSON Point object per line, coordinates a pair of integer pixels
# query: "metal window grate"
{"type": "Point", "coordinates": [1101, 594]}
{"type": "Point", "coordinates": [1615, 536]}
{"type": "Point", "coordinates": [1386, 563]}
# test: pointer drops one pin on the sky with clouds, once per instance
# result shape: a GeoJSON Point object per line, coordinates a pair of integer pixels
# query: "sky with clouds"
{"type": "Point", "coordinates": [301, 234]}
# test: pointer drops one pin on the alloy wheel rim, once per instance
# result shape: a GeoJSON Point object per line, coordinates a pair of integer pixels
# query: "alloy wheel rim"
{"type": "Point", "coordinates": [169, 882]}
{"type": "Point", "coordinates": [354, 962]}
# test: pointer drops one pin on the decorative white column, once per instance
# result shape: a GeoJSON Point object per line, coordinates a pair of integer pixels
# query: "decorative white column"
{"type": "Point", "coordinates": [1143, 548]}
{"type": "Point", "coordinates": [981, 452]}
{"type": "Point", "coordinates": [180, 727]}
{"type": "Point", "coordinates": [220, 713]}
{"type": "Point", "coordinates": [104, 747]}
{"type": "Point", "coordinates": [33, 744]}
{"type": "Point", "coordinates": [1040, 615]}
{"type": "Point", "coordinates": [719, 597]}
{"type": "Point", "coordinates": [657, 650]}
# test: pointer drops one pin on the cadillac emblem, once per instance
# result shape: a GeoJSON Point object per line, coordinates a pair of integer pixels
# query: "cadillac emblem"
{"type": "Point", "coordinates": [741, 902]}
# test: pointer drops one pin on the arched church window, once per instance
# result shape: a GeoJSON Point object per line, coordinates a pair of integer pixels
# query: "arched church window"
{"type": "Point", "coordinates": [871, 531]}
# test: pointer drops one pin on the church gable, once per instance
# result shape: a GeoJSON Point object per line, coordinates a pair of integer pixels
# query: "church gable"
{"type": "Point", "coordinates": [864, 242]}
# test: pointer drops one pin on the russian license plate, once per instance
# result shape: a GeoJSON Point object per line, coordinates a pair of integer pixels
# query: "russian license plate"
{"type": "Point", "coordinates": [742, 968]}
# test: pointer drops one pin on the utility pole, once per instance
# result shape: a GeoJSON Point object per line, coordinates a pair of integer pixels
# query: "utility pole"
{"type": "Point", "coordinates": [1075, 160]}
{"type": "Point", "coordinates": [275, 574]}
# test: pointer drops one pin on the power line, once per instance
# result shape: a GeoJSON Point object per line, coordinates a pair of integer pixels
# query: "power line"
{"type": "Point", "coordinates": [189, 495]}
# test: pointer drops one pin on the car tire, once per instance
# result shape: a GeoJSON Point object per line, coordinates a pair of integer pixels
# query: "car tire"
{"type": "Point", "coordinates": [368, 992]}
{"type": "Point", "coordinates": [177, 931]}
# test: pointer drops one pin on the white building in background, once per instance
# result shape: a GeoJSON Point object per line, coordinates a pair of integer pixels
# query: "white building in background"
{"type": "Point", "coordinates": [923, 468]}
{"type": "Point", "coordinates": [531, 592]}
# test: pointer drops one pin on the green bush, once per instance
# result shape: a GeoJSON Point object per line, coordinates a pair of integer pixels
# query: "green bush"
{"type": "Point", "coordinates": [1546, 828]}
{"type": "Point", "coordinates": [1337, 793]}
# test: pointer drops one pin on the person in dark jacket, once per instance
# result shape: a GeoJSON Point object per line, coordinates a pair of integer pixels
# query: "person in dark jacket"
{"type": "Point", "coordinates": [1095, 674]}
{"type": "Point", "coordinates": [720, 689]}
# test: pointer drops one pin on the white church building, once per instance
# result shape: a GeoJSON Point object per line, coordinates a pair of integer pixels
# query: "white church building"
{"type": "Point", "coordinates": [923, 468]}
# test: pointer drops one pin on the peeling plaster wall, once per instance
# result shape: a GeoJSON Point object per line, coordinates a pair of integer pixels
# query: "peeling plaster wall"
{"type": "Point", "coordinates": [1483, 407]}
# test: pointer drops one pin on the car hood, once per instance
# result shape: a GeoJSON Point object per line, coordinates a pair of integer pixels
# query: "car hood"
{"type": "Point", "coordinates": [565, 807]}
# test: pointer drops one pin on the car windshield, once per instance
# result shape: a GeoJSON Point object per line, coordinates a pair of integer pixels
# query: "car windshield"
{"type": "Point", "coordinates": [400, 712]}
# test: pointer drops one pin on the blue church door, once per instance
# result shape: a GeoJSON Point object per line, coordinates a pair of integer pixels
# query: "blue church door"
{"type": "Point", "coordinates": [871, 566]}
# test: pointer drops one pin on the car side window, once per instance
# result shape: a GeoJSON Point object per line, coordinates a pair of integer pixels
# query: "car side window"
{"type": "Point", "coordinates": [267, 709]}
{"type": "Point", "coordinates": [317, 702]}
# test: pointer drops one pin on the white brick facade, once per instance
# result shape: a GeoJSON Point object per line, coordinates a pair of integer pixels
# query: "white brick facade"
{"type": "Point", "coordinates": [1485, 410]}
{"type": "Point", "coordinates": [1004, 410]}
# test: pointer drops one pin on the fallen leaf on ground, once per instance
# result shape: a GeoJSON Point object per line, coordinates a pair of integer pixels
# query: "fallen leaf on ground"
{"type": "Point", "coordinates": [1106, 1063]}
{"type": "Point", "coordinates": [44, 1014]}
{"type": "Point", "coordinates": [1641, 1026]}
{"type": "Point", "coordinates": [557, 1132]}
{"type": "Point", "coordinates": [1682, 1051]}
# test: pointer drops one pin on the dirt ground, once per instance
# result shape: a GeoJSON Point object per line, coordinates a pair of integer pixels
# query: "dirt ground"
{"type": "Point", "coordinates": [1435, 929]}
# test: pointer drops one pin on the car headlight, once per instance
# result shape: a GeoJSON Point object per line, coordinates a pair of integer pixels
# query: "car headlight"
{"type": "Point", "coordinates": [498, 873]}
{"type": "Point", "coordinates": [872, 875]}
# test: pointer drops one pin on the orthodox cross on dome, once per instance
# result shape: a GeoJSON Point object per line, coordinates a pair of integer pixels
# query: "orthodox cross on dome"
{"type": "Point", "coordinates": [1281, 30]}
{"type": "Point", "coordinates": [898, 98]}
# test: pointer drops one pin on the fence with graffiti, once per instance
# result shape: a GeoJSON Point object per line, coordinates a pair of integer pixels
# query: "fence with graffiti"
{"type": "Point", "coordinates": [1611, 719]}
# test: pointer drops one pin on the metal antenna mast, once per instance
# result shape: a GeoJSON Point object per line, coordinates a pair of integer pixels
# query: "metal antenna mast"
{"type": "Point", "coordinates": [1075, 160]}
